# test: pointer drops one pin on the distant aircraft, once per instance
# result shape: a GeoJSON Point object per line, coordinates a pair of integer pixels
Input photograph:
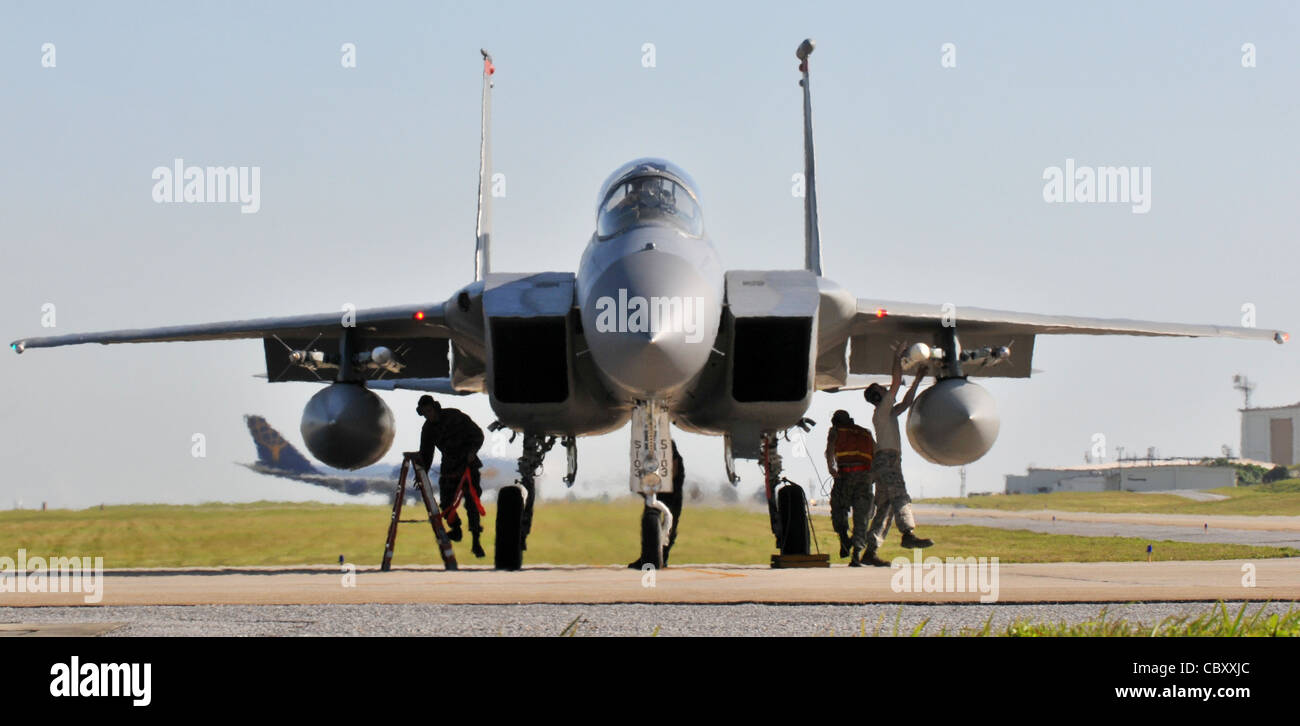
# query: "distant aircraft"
{"type": "Point", "coordinates": [277, 457]}
{"type": "Point", "coordinates": [650, 329]}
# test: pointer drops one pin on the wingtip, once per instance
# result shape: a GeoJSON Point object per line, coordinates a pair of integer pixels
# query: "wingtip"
{"type": "Point", "coordinates": [18, 346]}
{"type": "Point", "coordinates": [1281, 337]}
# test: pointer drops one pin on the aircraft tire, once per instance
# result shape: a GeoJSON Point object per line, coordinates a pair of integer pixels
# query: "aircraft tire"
{"type": "Point", "coordinates": [793, 510]}
{"type": "Point", "coordinates": [652, 551]}
{"type": "Point", "coordinates": [509, 554]}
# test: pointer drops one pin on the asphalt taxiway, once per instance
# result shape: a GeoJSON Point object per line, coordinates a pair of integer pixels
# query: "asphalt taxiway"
{"type": "Point", "coordinates": [1262, 531]}
{"type": "Point", "coordinates": [1266, 579]}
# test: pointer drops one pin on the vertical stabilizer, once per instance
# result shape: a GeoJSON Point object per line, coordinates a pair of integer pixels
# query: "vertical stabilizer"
{"type": "Point", "coordinates": [812, 246]}
{"type": "Point", "coordinates": [273, 451]}
{"type": "Point", "coordinates": [483, 229]}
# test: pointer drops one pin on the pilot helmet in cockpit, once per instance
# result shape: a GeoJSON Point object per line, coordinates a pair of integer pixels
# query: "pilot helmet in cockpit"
{"type": "Point", "coordinates": [646, 192]}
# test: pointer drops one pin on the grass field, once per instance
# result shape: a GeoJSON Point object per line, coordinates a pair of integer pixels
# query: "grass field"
{"type": "Point", "coordinates": [1278, 498]}
{"type": "Point", "coordinates": [584, 532]}
{"type": "Point", "coordinates": [1217, 622]}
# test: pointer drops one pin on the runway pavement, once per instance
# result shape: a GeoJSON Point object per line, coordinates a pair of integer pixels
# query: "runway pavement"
{"type": "Point", "coordinates": [1273, 579]}
{"type": "Point", "coordinates": [1269, 531]}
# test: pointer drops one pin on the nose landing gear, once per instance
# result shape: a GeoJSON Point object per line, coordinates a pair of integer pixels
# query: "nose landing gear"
{"type": "Point", "coordinates": [651, 475]}
{"type": "Point", "coordinates": [656, 523]}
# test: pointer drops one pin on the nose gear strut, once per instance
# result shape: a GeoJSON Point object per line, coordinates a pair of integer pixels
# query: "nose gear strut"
{"type": "Point", "coordinates": [650, 452]}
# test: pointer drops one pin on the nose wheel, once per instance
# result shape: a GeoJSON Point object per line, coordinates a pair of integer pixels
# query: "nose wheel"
{"type": "Point", "coordinates": [651, 474]}
{"type": "Point", "coordinates": [652, 544]}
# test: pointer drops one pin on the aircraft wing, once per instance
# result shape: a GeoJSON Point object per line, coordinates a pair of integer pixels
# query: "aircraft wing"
{"type": "Point", "coordinates": [879, 325]}
{"type": "Point", "coordinates": [399, 320]}
{"type": "Point", "coordinates": [418, 335]}
{"type": "Point", "coordinates": [351, 486]}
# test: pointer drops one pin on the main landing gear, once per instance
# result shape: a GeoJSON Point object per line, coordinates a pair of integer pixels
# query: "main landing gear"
{"type": "Point", "coordinates": [787, 506]}
{"type": "Point", "coordinates": [515, 501]}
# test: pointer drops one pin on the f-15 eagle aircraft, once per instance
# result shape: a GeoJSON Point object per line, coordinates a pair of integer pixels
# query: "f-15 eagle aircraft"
{"type": "Point", "coordinates": [652, 329]}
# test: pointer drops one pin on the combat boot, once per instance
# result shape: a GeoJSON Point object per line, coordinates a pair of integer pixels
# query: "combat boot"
{"type": "Point", "coordinates": [911, 541]}
{"type": "Point", "coordinates": [477, 549]}
{"type": "Point", "coordinates": [844, 545]}
{"type": "Point", "coordinates": [854, 561]}
{"type": "Point", "coordinates": [455, 534]}
{"type": "Point", "coordinates": [871, 558]}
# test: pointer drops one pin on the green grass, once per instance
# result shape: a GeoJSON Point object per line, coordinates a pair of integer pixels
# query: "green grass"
{"type": "Point", "coordinates": [583, 532]}
{"type": "Point", "coordinates": [1218, 622]}
{"type": "Point", "coordinates": [1286, 486]}
{"type": "Point", "coordinates": [1278, 498]}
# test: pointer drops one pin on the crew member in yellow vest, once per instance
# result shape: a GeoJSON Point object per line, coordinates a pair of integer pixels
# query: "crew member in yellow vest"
{"type": "Point", "coordinates": [849, 449]}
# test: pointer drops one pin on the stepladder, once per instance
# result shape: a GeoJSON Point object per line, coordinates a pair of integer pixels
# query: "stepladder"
{"type": "Point", "coordinates": [420, 480]}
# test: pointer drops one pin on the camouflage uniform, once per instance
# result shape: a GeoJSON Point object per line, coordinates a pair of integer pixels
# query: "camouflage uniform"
{"type": "Point", "coordinates": [891, 500]}
{"type": "Point", "coordinates": [852, 490]}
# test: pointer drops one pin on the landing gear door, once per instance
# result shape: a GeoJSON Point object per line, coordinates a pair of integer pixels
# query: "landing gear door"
{"type": "Point", "coordinates": [651, 450]}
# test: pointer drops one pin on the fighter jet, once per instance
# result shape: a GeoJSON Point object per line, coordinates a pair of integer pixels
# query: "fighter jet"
{"type": "Point", "coordinates": [652, 329]}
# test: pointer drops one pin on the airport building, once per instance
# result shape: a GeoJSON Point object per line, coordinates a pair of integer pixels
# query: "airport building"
{"type": "Point", "coordinates": [1271, 434]}
{"type": "Point", "coordinates": [1137, 475]}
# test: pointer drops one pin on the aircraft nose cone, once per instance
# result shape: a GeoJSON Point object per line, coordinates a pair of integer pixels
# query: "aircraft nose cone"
{"type": "Point", "coordinates": [650, 322]}
{"type": "Point", "coordinates": [647, 362]}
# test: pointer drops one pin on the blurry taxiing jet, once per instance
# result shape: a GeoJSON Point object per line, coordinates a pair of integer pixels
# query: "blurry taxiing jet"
{"type": "Point", "coordinates": [277, 457]}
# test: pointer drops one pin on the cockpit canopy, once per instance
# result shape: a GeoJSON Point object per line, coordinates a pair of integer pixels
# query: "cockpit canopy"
{"type": "Point", "coordinates": [648, 192]}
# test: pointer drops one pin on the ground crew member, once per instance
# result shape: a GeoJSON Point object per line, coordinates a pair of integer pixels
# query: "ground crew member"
{"type": "Point", "coordinates": [886, 467]}
{"type": "Point", "coordinates": [849, 449]}
{"type": "Point", "coordinates": [456, 435]}
{"type": "Point", "coordinates": [674, 502]}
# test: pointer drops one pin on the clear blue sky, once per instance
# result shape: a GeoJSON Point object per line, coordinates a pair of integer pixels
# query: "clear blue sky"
{"type": "Point", "coordinates": [930, 190]}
